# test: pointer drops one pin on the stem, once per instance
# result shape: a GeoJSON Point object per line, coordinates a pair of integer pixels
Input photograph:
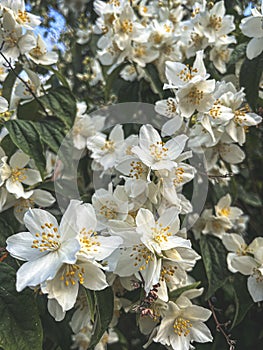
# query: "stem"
{"type": "Point", "coordinates": [9, 65]}
{"type": "Point", "coordinates": [219, 327]}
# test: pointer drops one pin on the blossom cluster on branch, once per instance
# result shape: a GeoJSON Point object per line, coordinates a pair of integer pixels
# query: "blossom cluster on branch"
{"type": "Point", "coordinates": [164, 204]}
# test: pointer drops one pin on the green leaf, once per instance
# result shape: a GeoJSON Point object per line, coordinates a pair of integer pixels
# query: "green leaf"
{"type": "Point", "coordinates": [59, 75]}
{"type": "Point", "coordinates": [62, 105]}
{"type": "Point", "coordinates": [104, 301]}
{"type": "Point", "coordinates": [111, 78]}
{"type": "Point", "coordinates": [9, 82]}
{"type": "Point", "coordinates": [177, 292]}
{"type": "Point", "coordinates": [243, 300]}
{"type": "Point", "coordinates": [250, 75]}
{"type": "Point", "coordinates": [5, 231]}
{"type": "Point", "coordinates": [29, 111]}
{"type": "Point", "coordinates": [20, 326]}
{"type": "Point", "coordinates": [238, 53]}
{"type": "Point", "coordinates": [214, 258]}
{"type": "Point", "coordinates": [25, 137]}
{"type": "Point", "coordinates": [8, 145]}
{"type": "Point", "coordinates": [52, 134]}
{"type": "Point", "coordinates": [249, 197]}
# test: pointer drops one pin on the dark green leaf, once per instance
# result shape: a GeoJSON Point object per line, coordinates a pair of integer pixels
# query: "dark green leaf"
{"type": "Point", "coordinates": [20, 326]}
{"type": "Point", "coordinates": [5, 231]}
{"type": "Point", "coordinates": [238, 53]}
{"type": "Point", "coordinates": [51, 133]}
{"type": "Point", "coordinates": [25, 136]}
{"type": "Point", "coordinates": [177, 292]}
{"type": "Point", "coordinates": [243, 300]}
{"type": "Point", "coordinates": [104, 311]}
{"type": "Point", "coordinates": [8, 145]}
{"type": "Point", "coordinates": [249, 197]}
{"type": "Point", "coordinates": [9, 83]}
{"type": "Point", "coordinates": [214, 258]}
{"type": "Point", "coordinates": [250, 75]}
{"type": "Point", "coordinates": [61, 104]}
{"type": "Point", "coordinates": [29, 111]}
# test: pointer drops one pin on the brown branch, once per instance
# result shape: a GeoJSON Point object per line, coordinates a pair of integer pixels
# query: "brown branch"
{"type": "Point", "coordinates": [220, 327]}
{"type": "Point", "coordinates": [9, 65]}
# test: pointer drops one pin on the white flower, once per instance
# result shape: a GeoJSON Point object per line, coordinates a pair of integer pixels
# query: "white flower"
{"type": "Point", "coordinates": [194, 90]}
{"type": "Point", "coordinates": [154, 152]}
{"type": "Point", "coordinates": [46, 247]}
{"type": "Point", "coordinates": [39, 197]}
{"type": "Point", "coordinates": [144, 246]}
{"type": "Point", "coordinates": [40, 55]}
{"type": "Point", "coordinates": [214, 23]}
{"type": "Point", "coordinates": [13, 38]}
{"type": "Point", "coordinates": [181, 326]}
{"type": "Point", "coordinates": [252, 27]}
{"type": "Point", "coordinates": [127, 28]}
{"type": "Point", "coordinates": [14, 174]}
{"type": "Point", "coordinates": [136, 175]}
{"type": "Point", "coordinates": [85, 126]}
{"type": "Point", "coordinates": [110, 206]}
{"type": "Point", "coordinates": [241, 254]}
{"type": "Point", "coordinates": [23, 18]}
{"type": "Point", "coordinates": [160, 235]}
{"type": "Point", "coordinates": [107, 152]}
{"type": "Point", "coordinates": [248, 260]}
{"type": "Point", "coordinates": [86, 270]}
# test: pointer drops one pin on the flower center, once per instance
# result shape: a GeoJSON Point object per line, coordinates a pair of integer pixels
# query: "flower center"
{"type": "Point", "coordinates": [170, 107]}
{"type": "Point", "coordinates": [187, 73]}
{"type": "Point", "coordinates": [161, 234]}
{"type": "Point", "coordinates": [17, 175]}
{"type": "Point", "coordinates": [89, 241]}
{"type": "Point", "coordinates": [48, 239]}
{"type": "Point", "coordinates": [136, 170]}
{"type": "Point", "coordinates": [195, 96]}
{"type": "Point", "coordinates": [179, 176]}
{"type": "Point", "coordinates": [23, 16]}
{"type": "Point", "coordinates": [215, 22]}
{"type": "Point", "coordinates": [109, 146]}
{"type": "Point", "coordinates": [37, 52]}
{"type": "Point", "coordinates": [182, 326]}
{"type": "Point", "coordinates": [224, 212]}
{"type": "Point", "coordinates": [141, 255]}
{"type": "Point", "coordinates": [139, 51]}
{"type": "Point", "coordinates": [215, 112]}
{"type": "Point", "coordinates": [109, 210]}
{"type": "Point", "coordinates": [158, 151]}
{"type": "Point", "coordinates": [126, 26]}
{"type": "Point", "coordinates": [73, 274]}
{"type": "Point", "coordinates": [167, 272]}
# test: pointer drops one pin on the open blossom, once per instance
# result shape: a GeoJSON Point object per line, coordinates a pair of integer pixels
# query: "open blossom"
{"type": "Point", "coordinates": [144, 246]}
{"type": "Point", "coordinates": [252, 27]}
{"type": "Point", "coordinates": [45, 247]}
{"type": "Point", "coordinates": [156, 154]}
{"type": "Point", "coordinates": [40, 55]}
{"type": "Point", "coordinates": [248, 260]}
{"type": "Point", "coordinates": [15, 173]}
{"type": "Point", "coordinates": [13, 38]}
{"type": "Point", "coordinates": [87, 270]}
{"type": "Point", "coordinates": [194, 91]}
{"type": "Point", "coordinates": [23, 18]}
{"type": "Point", "coordinates": [181, 325]}
{"type": "Point", "coordinates": [107, 151]}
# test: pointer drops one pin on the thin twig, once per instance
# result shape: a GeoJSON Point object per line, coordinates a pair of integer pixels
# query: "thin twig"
{"type": "Point", "coordinates": [219, 327]}
{"type": "Point", "coordinates": [9, 65]}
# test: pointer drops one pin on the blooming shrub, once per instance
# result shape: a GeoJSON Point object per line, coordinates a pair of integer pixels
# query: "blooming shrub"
{"type": "Point", "coordinates": [130, 175]}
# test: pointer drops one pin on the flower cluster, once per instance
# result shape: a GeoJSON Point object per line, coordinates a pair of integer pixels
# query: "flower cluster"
{"type": "Point", "coordinates": [138, 234]}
